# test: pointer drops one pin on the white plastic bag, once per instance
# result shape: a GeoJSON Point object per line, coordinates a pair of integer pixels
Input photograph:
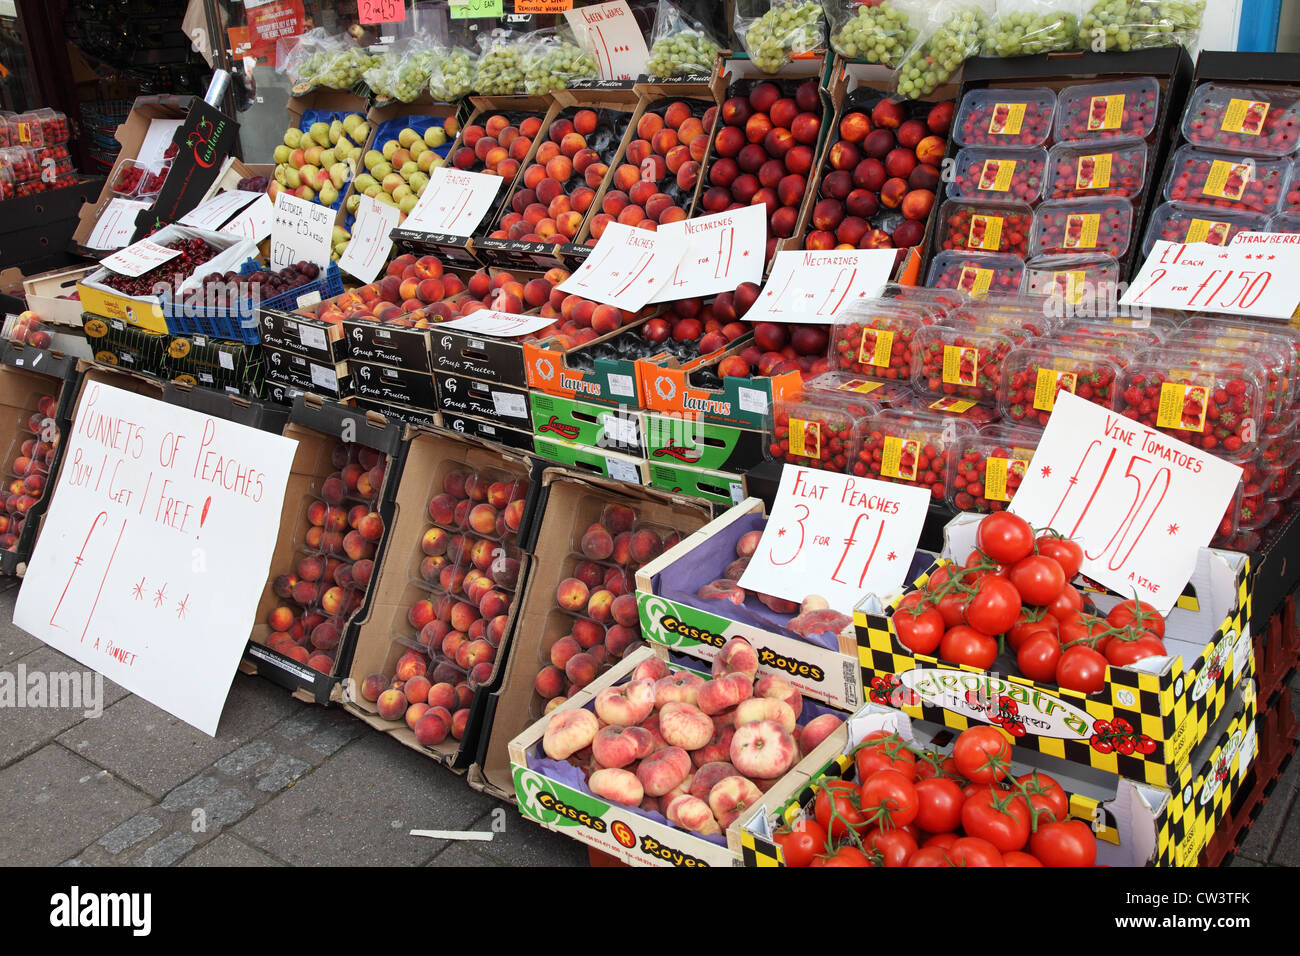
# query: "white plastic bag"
{"type": "Point", "coordinates": [877, 34]}
{"type": "Point", "coordinates": [787, 28]}
{"type": "Point", "coordinates": [552, 61]}
{"type": "Point", "coordinates": [451, 75]}
{"type": "Point", "coordinates": [1025, 27]}
{"type": "Point", "coordinates": [1140, 24]}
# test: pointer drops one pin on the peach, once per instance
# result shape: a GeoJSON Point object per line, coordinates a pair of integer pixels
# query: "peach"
{"type": "Point", "coordinates": [325, 636]}
{"type": "Point", "coordinates": [597, 543]}
{"type": "Point", "coordinates": [563, 649]}
{"type": "Point", "coordinates": [731, 797]}
{"type": "Point", "coordinates": [588, 633]}
{"type": "Point", "coordinates": [417, 690]}
{"type": "Point", "coordinates": [708, 775]}
{"type": "Point", "coordinates": [763, 749]}
{"type": "Point", "coordinates": [684, 725]}
{"type": "Point", "coordinates": [765, 708]}
{"type": "Point", "coordinates": [549, 682]}
{"type": "Point", "coordinates": [571, 595]}
{"type": "Point", "coordinates": [651, 669]}
{"type": "Point", "coordinates": [737, 655]}
{"type": "Point", "coordinates": [723, 693]}
{"type": "Point", "coordinates": [717, 749]}
{"type": "Point", "coordinates": [617, 746]}
{"type": "Point", "coordinates": [778, 688]}
{"type": "Point", "coordinates": [627, 704]}
{"type": "Point", "coordinates": [817, 730]}
{"type": "Point", "coordinates": [411, 664]}
{"type": "Point", "coordinates": [691, 813]}
{"type": "Point", "coordinates": [663, 770]}
{"type": "Point", "coordinates": [373, 686]}
{"type": "Point", "coordinates": [616, 786]}
{"type": "Point", "coordinates": [391, 704]}
{"type": "Point", "coordinates": [581, 669]}
{"type": "Point", "coordinates": [431, 729]}
{"type": "Point", "coordinates": [569, 731]}
{"type": "Point", "coordinates": [644, 546]}
{"type": "Point", "coordinates": [599, 604]}
{"type": "Point", "coordinates": [280, 619]}
{"type": "Point", "coordinates": [624, 610]}
{"type": "Point", "coordinates": [620, 640]}
{"type": "Point", "coordinates": [681, 686]}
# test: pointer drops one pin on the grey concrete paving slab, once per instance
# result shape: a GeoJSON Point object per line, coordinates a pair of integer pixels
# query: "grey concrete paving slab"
{"type": "Point", "coordinates": [27, 728]}
{"type": "Point", "coordinates": [228, 850]}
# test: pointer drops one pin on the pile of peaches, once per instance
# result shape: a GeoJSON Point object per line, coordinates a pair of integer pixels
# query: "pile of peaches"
{"type": "Point", "coordinates": [598, 601]}
{"type": "Point", "coordinates": [29, 472]}
{"type": "Point", "coordinates": [467, 581]}
{"type": "Point", "coordinates": [498, 145]}
{"type": "Point", "coordinates": [701, 752]}
{"type": "Point", "coordinates": [330, 580]}
{"type": "Point", "coordinates": [880, 177]}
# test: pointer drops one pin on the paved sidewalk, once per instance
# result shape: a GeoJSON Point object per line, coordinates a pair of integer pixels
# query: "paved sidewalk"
{"type": "Point", "coordinates": [283, 783]}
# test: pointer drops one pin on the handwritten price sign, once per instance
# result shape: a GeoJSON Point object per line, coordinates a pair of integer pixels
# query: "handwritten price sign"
{"type": "Point", "coordinates": [138, 258]}
{"type": "Point", "coordinates": [369, 247]}
{"type": "Point", "coordinates": [813, 287]}
{"type": "Point", "coordinates": [301, 231]}
{"type": "Point", "coordinates": [610, 33]}
{"type": "Point", "coordinates": [627, 268]}
{"type": "Point", "coordinates": [454, 202]}
{"type": "Point", "coordinates": [156, 548]}
{"type": "Point", "coordinates": [470, 9]}
{"type": "Point", "coordinates": [116, 225]}
{"type": "Point", "coordinates": [1139, 502]}
{"type": "Point", "coordinates": [1255, 275]}
{"type": "Point", "coordinates": [722, 251]}
{"type": "Point", "coordinates": [381, 11]}
{"type": "Point", "coordinates": [838, 536]}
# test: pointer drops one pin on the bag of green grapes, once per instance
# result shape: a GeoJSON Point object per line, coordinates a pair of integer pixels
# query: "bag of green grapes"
{"type": "Point", "coordinates": [380, 76]}
{"type": "Point", "coordinates": [1140, 24]}
{"type": "Point", "coordinates": [788, 28]}
{"type": "Point", "coordinates": [500, 63]}
{"type": "Point", "coordinates": [451, 75]}
{"type": "Point", "coordinates": [552, 61]}
{"type": "Point", "coordinates": [410, 66]}
{"type": "Point", "coordinates": [679, 45]}
{"type": "Point", "coordinates": [955, 30]}
{"type": "Point", "coordinates": [877, 31]}
{"type": "Point", "coordinates": [1025, 27]}
{"type": "Point", "coordinates": [303, 58]}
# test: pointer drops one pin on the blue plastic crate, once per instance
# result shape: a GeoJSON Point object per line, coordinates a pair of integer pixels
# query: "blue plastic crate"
{"type": "Point", "coordinates": [239, 324]}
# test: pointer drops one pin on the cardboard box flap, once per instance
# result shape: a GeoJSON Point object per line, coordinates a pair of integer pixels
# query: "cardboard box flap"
{"type": "Point", "coordinates": [366, 428]}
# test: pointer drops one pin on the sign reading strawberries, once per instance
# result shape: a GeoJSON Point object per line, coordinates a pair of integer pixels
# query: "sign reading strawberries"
{"type": "Point", "coordinates": [1254, 275]}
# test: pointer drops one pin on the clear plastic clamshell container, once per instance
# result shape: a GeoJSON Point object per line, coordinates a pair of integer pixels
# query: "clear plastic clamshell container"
{"type": "Point", "coordinates": [959, 362]}
{"type": "Point", "coordinates": [1223, 181]}
{"type": "Point", "coordinates": [942, 300]}
{"type": "Point", "coordinates": [975, 226]}
{"type": "Point", "coordinates": [1110, 110]}
{"type": "Point", "coordinates": [1273, 352]}
{"type": "Point", "coordinates": [1072, 226]}
{"type": "Point", "coordinates": [910, 447]}
{"type": "Point", "coordinates": [1034, 318]}
{"type": "Point", "coordinates": [985, 469]}
{"type": "Point", "coordinates": [1072, 279]}
{"type": "Point", "coordinates": [976, 274]}
{"type": "Point", "coordinates": [1185, 222]}
{"type": "Point", "coordinates": [1005, 117]}
{"type": "Point", "coordinates": [819, 429]}
{"type": "Point", "coordinates": [1242, 327]}
{"type": "Point", "coordinates": [1092, 170]}
{"type": "Point", "coordinates": [874, 339]}
{"type": "Point", "coordinates": [1033, 376]}
{"type": "Point", "coordinates": [1258, 121]}
{"type": "Point", "coordinates": [883, 394]}
{"type": "Point", "coordinates": [1003, 175]}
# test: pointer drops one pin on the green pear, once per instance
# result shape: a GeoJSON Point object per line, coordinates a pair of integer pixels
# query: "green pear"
{"type": "Point", "coordinates": [365, 181]}
{"type": "Point", "coordinates": [402, 192]}
{"type": "Point", "coordinates": [340, 234]}
{"type": "Point", "coordinates": [375, 191]}
{"type": "Point", "coordinates": [381, 171]}
{"type": "Point", "coordinates": [418, 181]}
{"type": "Point", "coordinates": [320, 134]}
{"type": "Point", "coordinates": [435, 137]}
{"type": "Point", "coordinates": [282, 154]}
{"type": "Point", "coordinates": [406, 137]}
{"type": "Point", "coordinates": [353, 203]}
{"type": "Point", "coordinates": [361, 135]}
{"type": "Point", "coordinates": [328, 194]}
{"type": "Point", "coordinates": [416, 148]}
{"type": "Point", "coordinates": [386, 199]}
{"type": "Point", "coordinates": [292, 177]}
{"type": "Point", "coordinates": [339, 174]}
{"type": "Point", "coordinates": [336, 130]}
{"type": "Point", "coordinates": [292, 138]}
{"type": "Point", "coordinates": [373, 159]}
{"type": "Point", "coordinates": [351, 122]}
{"type": "Point", "coordinates": [390, 148]}
{"type": "Point", "coordinates": [407, 203]}
{"type": "Point", "coordinates": [281, 174]}
{"type": "Point", "coordinates": [409, 170]}
{"type": "Point", "coordinates": [328, 157]}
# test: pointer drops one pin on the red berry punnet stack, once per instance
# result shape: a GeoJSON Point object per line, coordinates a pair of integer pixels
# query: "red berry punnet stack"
{"type": "Point", "coordinates": [966, 226]}
{"type": "Point", "coordinates": [1072, 276]}
{"type": "Point", "coordinates": [874, 339]}
{"type": "Point", "coordinates": [1222, 181]}
{"type": "Point", "coordinates": [819, 429]}
{"type": "Point", "coordinates": [883, 394]}
{"type": "Point", "coordinates": [988, 467]}
{"type": "Point", "coordinates": [1002, 175]}
{"type": "Point", "coordinates": [1255, 121]}
{"type": "Point", "coordinates": [1066, 226]}
{"type": "Point", "coordinates": [1020, 316]}
{"type": "Point", "coordinates": [976, 274]}
{"type": "Point", "coordinates": [1107, 111]}
{"type": "Point", "coordinates": [31, 456]}
{"type": "Point", "coordinates": [1185, 222]}
{"type": "Point", "coordinates": [942, 300]}
{"type": "Point", "coordinates": [1126, 341]}
{"type": "Point", "coordinates": [1033, 376]}
{"type": "Point", "coordinates": [1005, 118]}
{"type": "Point", "coordinates": [1273, 353]}
{"type": "Point", "coordinates": [1095, 170]}
{"type": "Point", "coordinates": [910, 448]}
{"type": "Point", "coordinates": [959, 363]}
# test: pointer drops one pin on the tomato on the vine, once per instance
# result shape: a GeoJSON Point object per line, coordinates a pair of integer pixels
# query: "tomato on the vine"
{"type": "Point", "coordinates": [1030, 621]}
{"type": "Point", "coordinates": [965, 645]}
{"type": "Point", "coordinates": [888, 799]}
{"type": "Point", "coordinates": [883, 750]}
{"type": "Point", "coordinates": [1019, 858]}
{"type": "Point", "coordinates": [1068, 843]}
{"type": "Point", "coordinates": [1087, 630]}
{"type": "Point", "coordinates": [1122, 652]}
{"type": "Point", "coordinates": [1066, 551]}
{"type": "Point", "coordinates": [1138, 614]}
{"type": "Point", "coordinates": [939, 801]}
{"type": "Point", "coordinates": [844, 794]}
{"type": "Point", "coordinates": [1038, 656]}
{"type": "Point", "coordinates": [982, 754]}
{"type": "Point", "coordinates": [995, 606]}
{"type": "Point", "coordinates": [930, 856]}
{"type": "Point", "coordinates": [1081, 668]}
{"type": "Point", "coordinates": [919, 631]}
{"type": "Point", "coordinates": [1000, 817]}
{"type": "Point", "coordinates": [1038, 578]}
{"type": "Point", "coordinates": [1044, 793]}
{"type": "Point", "coordinates": [847, 855]}
{"type": "Point", "coordinates": [975, 851]}
{"type": "Point", "coordinates": [801, 842]}
{"type": "Point", "coordinates": [1067, 604]}
{"type": "Point", "coordinates": [894, 846]}
{"type": "Point", "coordinates": [1004, 537]}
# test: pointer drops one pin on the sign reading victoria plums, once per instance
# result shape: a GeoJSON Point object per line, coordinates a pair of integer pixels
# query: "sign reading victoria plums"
{"type": "Point", "coordinates": [838, 536]}
{"type": "Point", "coordinates": [1140, 502]}
{"type": "Point", "coordinates": [156, 547]}
{"type": "Point", "coordinates": [815, 287]}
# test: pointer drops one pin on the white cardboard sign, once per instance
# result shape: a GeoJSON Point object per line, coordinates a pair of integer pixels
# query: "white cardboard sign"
{"type": "Point", "coordinates": [627, 267]}
{"type": "Point", "coordinates": [301, 231]}
{"type": "Point", "coordinates": [1139, 502]}
{"type": "Point", "coordinates": [116, 224]}
{"type": "Point", "coordinates": [213, 214]}
{"type": "Point", "coordinates": [156, 548]}
{"type": "Point", "coordinates": [503, 325]}
{"type": "Point", "coordinates": [1254, 275]}
{"type": "Point", "coordinates": [454, 202]}
{"type": "Point", "coordinates": [812, 287]}
{"type": "Point", "coordinates": [609, 32]}
{"type": "Point", "coordinates": [836, 535]}
{"type": "Point", "coordinates": [370, 243]}
{"type": "Point", "coordinates": [255, 222]}
{"type": "Point", "coordinates": [722, 251]}
{"type": "Point", "coordinates": [159, 136]}
{"type": "Point", "coordinates": [139, 257]}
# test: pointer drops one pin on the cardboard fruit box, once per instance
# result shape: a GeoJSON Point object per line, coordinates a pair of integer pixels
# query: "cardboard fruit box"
{"type": "Point", "coordinates": [1167, 706]}
{"type": "Point", "coordinates": [687, 439]}
{"type": "Point", "coordinates": [317, 341]}
{"type": "Point", "coordinates": [389, 641]}
{"type": "Point", "coordinates": [594, 460]}
{"type": "Point", "coordinates": [492, 432]}
{"type": "Point", "coordinates": [569, 503]}
{"type": "Point", "coordinates": [322, 429]}
{"type": "Point", "coordinates": [292, 375]}
{"type": "Point", "coordinates": [618, 429]}
{"type": "Point", "coordinates": [739, 403]}
{"type": "Point", "coordinates": [1135, 824]}
{"type": "Point", "coordinates": [824, 669]}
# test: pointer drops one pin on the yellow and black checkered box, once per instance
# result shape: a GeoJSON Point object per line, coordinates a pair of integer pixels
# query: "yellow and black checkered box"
{"type": "Point", "coordinates": [1139, 725]}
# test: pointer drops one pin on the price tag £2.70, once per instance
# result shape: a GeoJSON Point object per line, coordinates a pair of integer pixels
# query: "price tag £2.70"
{"type": "Point", "coordinates": [301, 231]}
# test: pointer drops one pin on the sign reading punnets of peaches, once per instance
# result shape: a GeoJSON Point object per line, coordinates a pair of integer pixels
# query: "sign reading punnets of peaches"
{"type": "Point", "coordinates": [812, 287]}
{"type": "Point", "coordinates": [156, 547]}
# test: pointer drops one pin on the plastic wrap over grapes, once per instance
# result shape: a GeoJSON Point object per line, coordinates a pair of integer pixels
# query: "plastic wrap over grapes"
{"type": "Point", "coordinates": [681, 54]}
{"type": "Point", "coordinates": [555, 65]}
{"type": "Point", "coordinates": [879, 34]}
{"type": "Point", "coordinates": [785, 29]}
{"type": "Point", "coordinates": [1135, 25]}
{"type": "Point", "coordinates": [932, 63]}
{"type": "Point", "coordinates": [500, 71]}
{"type": "Point", "coordinates": [452, 76]}
{"type": "Point", "coordinates": [1025, 32]}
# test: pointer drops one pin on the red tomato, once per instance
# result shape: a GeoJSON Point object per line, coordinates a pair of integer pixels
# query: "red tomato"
{"type": "Point", "coordinates": [1067, 553]}
{"type": "Point", "coordinates": [844, 793]}
{"type": "Point", "coordinates": [1017, 858]}
{"type": "Point", "coordinates": [977, 569]}
{"type": "Point", "coordinates": [1031, 620]}
{"type": "Point", "coordinates": [920, 632]}
{"type": "Point", "coordinates": [889, 799]}
{"type": "Point", "coordinates": [847, 855]}
{"type": "Point", "coordinates": [999, 817]}
{"type": "Point", "coordinates": [995, 606]}
{"type": "Point", "coordinates": [927, 768]}
{"type": "Point", "coordinates": [1038, 656]}
{"type": "Point", "coordinates": [894, 847]}
{"type": "Point", "coordinates": [930, 856]}
{"type": "Point", "coordinates": [801, 842]}
{"type": "Point", "coordinates": [965, 645]}
{"type": "Point", "coordinates": [943, 840]}
{"type": "Point", "coordinates": [1138, 613]}
{"type": "Point", "coordinates": [1004, 537]}
{"type": "Point", "coordinates": [1069, 843]}
{"type": "Point", "coordinates": [1039, 579]}
{"type": "Point", "coordinates": [883, 750]}
{"type": "Point", "coordinates": [1085, 627]}
{"type": "Point", "coordinates": [1082, 669]}
{"type": "Point", "coordinates": [975, 851]}
{"type": "Point", "coordinates": [1044, 793]}
{"type": "Point", "coordinates": [1121, 653]}
{"type": "Point", "coordinates": [1067, 604]}
{"type": "Point", "coordinates": [939, 801]}
{"type": "Point", "coordinates": [982, 754]}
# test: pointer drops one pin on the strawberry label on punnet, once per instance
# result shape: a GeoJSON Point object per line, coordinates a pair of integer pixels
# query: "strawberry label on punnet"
{"type": "Point", "coordinates": [995, 476]}
{"type": "Point", "coordinates": [1007, 119]}
{"type": "Point", "coordinates": [1245, 117]}
{"type": "Point", "coordinates": [1208, 230]}
{"type": "Point", "coordinates": [1081, 230]}
{"type": "Point", "coordinates": [1183, 407]}
{"type": "Point", "coordinates": [974, 280]}
{"type": "Point", "coordinates": [960, 365]}
{"type": "Point", "coordinates": [862, 387]}
{"type": "Point", "coordinates": [1070, 284]}
{"type": "Point", "coordinates": [1106, 112]}
{"type": "Point", "coordinates": [955, 406]}
{"type": "Point", "coordinates": [1227, 180]}
{"type": "Point", "coordinates": [876, 347]}
{"type": "Point", "coordinates": [1094, 171]}
{"type": "Point", "coordinates": [900, 457]}
{"type": "Point", "coordinates": [805, 438]}
{"type": "Point", "coordinates": [997, 174]}
{"type": "Point", "coordinates": [985, 232]}
{"type": "Point", "coordinates": [1048, 383]}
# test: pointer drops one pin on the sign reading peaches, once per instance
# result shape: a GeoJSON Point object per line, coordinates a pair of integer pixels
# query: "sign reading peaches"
{"type": "Point", "coordinates": [837, 536]}
{"type": "Point", "coordinates": [156, 548]}
{"type": "Point", "coordinates": [454, 202]}
{"type": "Point", "coordinates": [815, 287]}
{"type": "Point", "coordinates": [627, 267]}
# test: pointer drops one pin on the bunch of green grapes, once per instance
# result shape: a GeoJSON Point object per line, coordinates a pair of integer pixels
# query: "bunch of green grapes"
{"type": "Point", "coordinates": [452, 76]}
{"type": "Point", "coordinates": [784, 29]}
{"type": "Point", "coordinates": [680, 54]}
{"type": "Point", "coordinates": [1023, 32]}
{"type": "Point", "coordinates": [880, 34]}
{"type": "Point", "coordinates": [1140, 24]}
{"type": "Point", "coordinates": [411, 75]}
{"type": "Point", "coordinates": [500, 71]}
{"type": "Point", "coordinates": [939, 57]}
{"type": "Point", "coordinates": [555, 66]}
